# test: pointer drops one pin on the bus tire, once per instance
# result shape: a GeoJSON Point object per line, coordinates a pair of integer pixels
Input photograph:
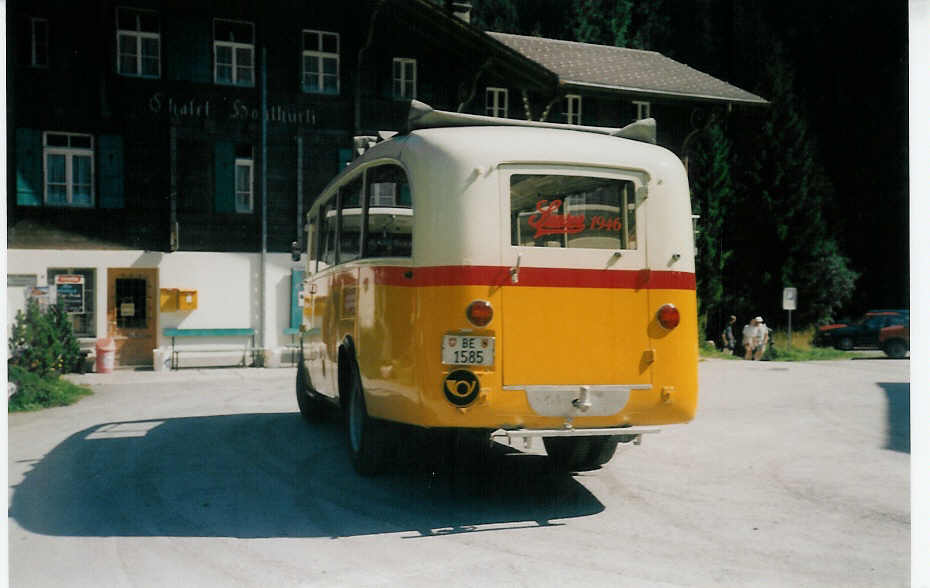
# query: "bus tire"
{"type": "Point", "coordinates": [365, 436]}
{"type": "Point", "coordinates": [311, 409]}
{"type": "Point", "coordinates": [580, 453]}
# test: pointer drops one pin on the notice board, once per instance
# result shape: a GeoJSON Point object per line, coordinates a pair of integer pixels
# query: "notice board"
{"type": "Point", "coordinates": [70, 293]}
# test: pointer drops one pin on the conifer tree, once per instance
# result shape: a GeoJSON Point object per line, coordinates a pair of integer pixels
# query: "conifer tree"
{"type": "Point", "coordinates": [783, 216]}
{"type": "Point", "coordinates": [603, 22]}
{"type": "Point", "coordinates": [711, 191]}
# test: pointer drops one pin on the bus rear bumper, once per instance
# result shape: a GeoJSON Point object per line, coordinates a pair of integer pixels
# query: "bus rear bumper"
{"type": "Point", "coordinates": [632, 434]}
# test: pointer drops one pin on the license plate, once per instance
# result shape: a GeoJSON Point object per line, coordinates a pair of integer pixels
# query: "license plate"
{"type": "Point", "coordinates": [467, 350]}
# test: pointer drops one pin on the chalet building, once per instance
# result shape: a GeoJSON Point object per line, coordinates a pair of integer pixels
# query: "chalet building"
{"type": "Point", "coordinates": [611, 86]}
{"type": "Point", "coordinates": [165, 152]}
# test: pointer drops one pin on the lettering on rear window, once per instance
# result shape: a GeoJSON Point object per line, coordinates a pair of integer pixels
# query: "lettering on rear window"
{"type": "Point", "coordinates": [579, 212]}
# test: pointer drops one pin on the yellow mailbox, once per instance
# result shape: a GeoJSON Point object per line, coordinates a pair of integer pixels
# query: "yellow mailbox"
{"type": "Point", "coordinates": [168, 299]}
{"type": "Point", "coordinates": [187, 300]}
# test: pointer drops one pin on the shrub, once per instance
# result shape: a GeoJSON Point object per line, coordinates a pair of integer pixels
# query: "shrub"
{"type": "Point", "coordinates": [35, 391]}
{"type": "Point", "coordinates": [43, 342]}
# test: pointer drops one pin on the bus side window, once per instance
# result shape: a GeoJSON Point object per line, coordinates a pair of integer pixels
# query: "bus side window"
{"type": "Point", "coordinates": [328, 234]}
{"type": "Point", "coordinates": [390, 212]}
{"type": "Point", "coordinates": [350, 218]}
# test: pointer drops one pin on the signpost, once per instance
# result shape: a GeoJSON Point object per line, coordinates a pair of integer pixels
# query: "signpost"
{"type": "Point", "coordinates": [789, 302]}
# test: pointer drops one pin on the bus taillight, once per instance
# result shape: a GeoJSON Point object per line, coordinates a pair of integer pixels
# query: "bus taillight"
{"type": "Point", "coordinates": [479, 313]}
{"type": "Point", "coordinates": [668, 316]}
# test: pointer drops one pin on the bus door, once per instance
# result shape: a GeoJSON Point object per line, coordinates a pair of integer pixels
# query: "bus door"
{"type": "Point", "coordinates": [575, 308]}
{"type": "Point", "coordinates": [343, 308]}
{"type": "Point", "coordinates": [319, 334]}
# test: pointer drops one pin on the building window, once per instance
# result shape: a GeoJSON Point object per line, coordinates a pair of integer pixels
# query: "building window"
{"type": "Point", "coordinates": [138, 43]}
{"type": "Point", "coordinates": [321, 62]}
{"type": "Point", "coordinates": [233, 53]}
{"type": "Point", "coordinates": [69, 169]}
{"type": "Point", "coordinates": [495, 102]}
{"type": "Point", "coordinates": [643, 110]}
{"type": "Point", "coordinates": [38, 42]}
{"type": "Point", "coordinates": [573, 109]}
{"type": "Point", "coordinates": [82, 315]}
{"type": "Point", "coordinates": [405, 78]}
{"type": "Point", "coordinates": [245, 175]}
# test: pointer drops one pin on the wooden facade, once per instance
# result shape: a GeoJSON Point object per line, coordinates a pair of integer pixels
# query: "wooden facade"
{"type": "Point", "coordinates": [165, 146]}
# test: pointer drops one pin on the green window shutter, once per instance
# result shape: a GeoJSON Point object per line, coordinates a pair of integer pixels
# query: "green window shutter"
{"type": "Point", "coordinates": [188, 44]}
{"type": "Point", "coordinates": [345, 158]}
{"type": "Point", "coordinates": [224, 176]}
{"type": "Point", "coordinates": [297, 279]}
{"type": "Point", "coordinates": [112, 192]}
{"type": "Point", "coordinates": [29, 188]}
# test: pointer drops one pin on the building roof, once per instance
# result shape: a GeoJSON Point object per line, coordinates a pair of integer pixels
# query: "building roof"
{"type": "Point", "coordinates": [631, 71]}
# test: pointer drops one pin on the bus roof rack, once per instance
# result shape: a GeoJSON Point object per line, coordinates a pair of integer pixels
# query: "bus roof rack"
{"type": "Point", "coordinates": [423, 116]}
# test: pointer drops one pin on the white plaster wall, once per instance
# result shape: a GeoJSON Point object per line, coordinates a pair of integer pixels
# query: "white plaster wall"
{"type": "Point", "coordinates": [227, 286]}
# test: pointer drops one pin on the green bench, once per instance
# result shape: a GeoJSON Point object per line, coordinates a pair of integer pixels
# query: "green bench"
{"type": "Point", "coordinates": [249, 352]}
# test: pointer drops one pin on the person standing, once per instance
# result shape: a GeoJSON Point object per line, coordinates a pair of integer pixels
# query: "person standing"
{"type": "Point", "coordinates": [755, 337]}
{"type": "Point", "coordinates": [729, 341]}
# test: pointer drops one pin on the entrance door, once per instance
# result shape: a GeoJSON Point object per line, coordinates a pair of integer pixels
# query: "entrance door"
{"type": "Point", "coordinates": [131, 314]}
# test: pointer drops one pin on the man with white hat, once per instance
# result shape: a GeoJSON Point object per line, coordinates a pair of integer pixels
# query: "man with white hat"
{"type": "Point", "coordinates": [755, 336]}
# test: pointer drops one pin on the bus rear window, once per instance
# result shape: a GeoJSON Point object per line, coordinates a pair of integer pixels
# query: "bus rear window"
{"type": "Point", "coordinates": [572, 211]}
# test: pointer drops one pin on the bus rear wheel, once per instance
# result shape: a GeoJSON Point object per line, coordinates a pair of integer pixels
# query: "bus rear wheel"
{"type": "Point", "coordinates": [580, 453]}
{"type": "Point", "coordinates": [365, 436]}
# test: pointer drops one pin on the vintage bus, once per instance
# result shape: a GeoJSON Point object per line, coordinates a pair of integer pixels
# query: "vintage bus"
{"type": "Point", "coordinates": [503, 277]}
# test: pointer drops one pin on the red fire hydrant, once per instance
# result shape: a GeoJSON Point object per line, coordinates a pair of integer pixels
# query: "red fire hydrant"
{"type": "Point", "coordinates": [106, 355]}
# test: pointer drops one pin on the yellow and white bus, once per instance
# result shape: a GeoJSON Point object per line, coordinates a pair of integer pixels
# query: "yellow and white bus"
{"type": "Point", "coordinates": [513, 278]}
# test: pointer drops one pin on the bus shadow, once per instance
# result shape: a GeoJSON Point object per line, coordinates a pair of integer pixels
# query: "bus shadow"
{"type": "Point", "coordinates": [272, 475]}
{"type": "Point", "coordinates": [899, 415]}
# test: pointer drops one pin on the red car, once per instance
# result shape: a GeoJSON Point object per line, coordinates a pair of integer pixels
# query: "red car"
{"type": "Point", "coordinates": [863, 333]}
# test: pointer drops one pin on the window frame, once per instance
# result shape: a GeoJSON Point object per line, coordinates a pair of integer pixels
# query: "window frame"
{"type": "Point", "coordinates": [643, 109]}
{"type": "Point", "coordinates": [403, 81]}
{"type": "Point", "coordinates": [69, 152]}
{"type": "Point", "coordinates": [89, 316]}
{"type": "Point", "coordinates": [249, 163]}
{"type": "Point", "coordinates": [320, 56]}
{"type": "Point", "coordinates": [317, 219]}
{"type": "Point", "coordinates": [233, 46]}
{"type": "Point", "coordinates": [34, 42]}
{"type": "Point", "coordinates": [494, 107]}
{"type": "Point", "coordinates": [582, 257]}
{"type": "Point", "coordinates": [571, 114]}
{"type": "Point", "coordinates": [139, 35]}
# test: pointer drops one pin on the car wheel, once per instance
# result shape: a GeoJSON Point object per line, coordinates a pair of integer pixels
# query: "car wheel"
{"type": "Point", "coordinates": [364, 435]}
{"type": "Point", "coordinates": [896, 349]}
{"type": "Point", "coordinates": [312, 409]}
{"type": "Point", "coordinates": [580, 453]}
{"type": "Point", "coordinates": [845, 343]}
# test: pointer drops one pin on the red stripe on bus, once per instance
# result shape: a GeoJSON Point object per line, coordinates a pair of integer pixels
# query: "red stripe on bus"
{"type": "Point", "coordinates": [485, 275]}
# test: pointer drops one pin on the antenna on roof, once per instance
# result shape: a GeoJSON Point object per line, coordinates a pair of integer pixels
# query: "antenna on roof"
{"type": "Point", "coordinates": [424, 116]}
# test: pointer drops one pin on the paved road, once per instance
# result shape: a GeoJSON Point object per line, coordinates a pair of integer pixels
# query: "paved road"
{"type": "Point", "coordinates": [792, 475]}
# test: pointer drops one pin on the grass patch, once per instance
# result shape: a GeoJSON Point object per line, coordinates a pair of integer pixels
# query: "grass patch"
{"type": "Point", "coordinates": [801, 349]}
{"type": "Point", "coordinates": [782, 353]}
{"type": "Point", "coordinates": [35, 392]}
{"type": "Point", "coordinates": [711, 352]}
